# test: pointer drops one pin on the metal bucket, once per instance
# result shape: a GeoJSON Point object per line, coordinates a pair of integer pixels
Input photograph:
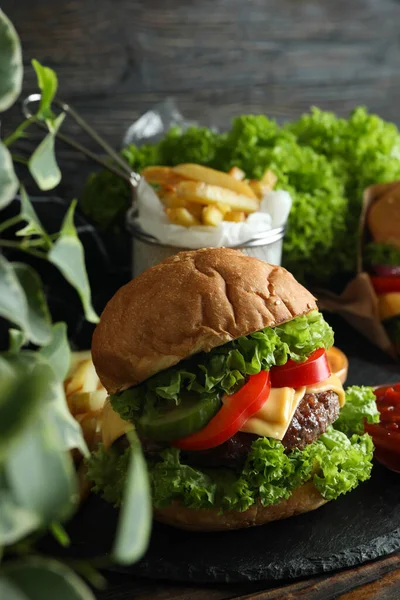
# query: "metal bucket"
{"type": "Point", "coordinates": [147, 251]}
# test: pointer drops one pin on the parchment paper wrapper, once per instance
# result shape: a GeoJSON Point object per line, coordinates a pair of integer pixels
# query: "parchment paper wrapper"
{"type": "Point", "coordinates": [358, 304]}
{"type": "Point", "coordinates": [274, 211]}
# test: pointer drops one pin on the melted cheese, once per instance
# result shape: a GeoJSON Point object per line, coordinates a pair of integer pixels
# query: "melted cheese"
{"type": "Point", "coordinates": [113, 426]}
{"type": "Point", "coordinates": [272, 420]}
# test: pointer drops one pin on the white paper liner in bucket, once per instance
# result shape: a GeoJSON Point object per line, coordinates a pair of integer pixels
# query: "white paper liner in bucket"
{"type": "Point", "coordinates": [154, 238]}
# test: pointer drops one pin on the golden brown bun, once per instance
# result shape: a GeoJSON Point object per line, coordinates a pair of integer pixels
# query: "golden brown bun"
{"type": "Point", "coordinates": [384, 218]}
{"type": "Point", "coordinates": [190, 302]}
{"type": "Point", "coordinates": [303, 499]}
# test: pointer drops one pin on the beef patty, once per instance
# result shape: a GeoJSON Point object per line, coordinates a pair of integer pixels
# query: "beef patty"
{"type": "Point", "coordinates": [313, 416]}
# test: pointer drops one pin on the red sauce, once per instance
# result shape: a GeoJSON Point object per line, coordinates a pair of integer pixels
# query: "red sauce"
{"type": "Point", "coordinates": [386, 434]}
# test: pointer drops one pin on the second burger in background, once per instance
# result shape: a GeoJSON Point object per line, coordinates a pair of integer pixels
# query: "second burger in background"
{"type": "Point", "coordinates": [218, 360]}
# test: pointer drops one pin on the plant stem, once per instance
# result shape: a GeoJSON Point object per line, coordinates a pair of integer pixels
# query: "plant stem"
{"type": "Point", "coordinates": [19, 159]}
{"type": "Point", "coordinates": [20, 246]}
{"type": "Point", "coordinates": [9, 223]}
{"type": "Point", "coordinates": [18, 133]}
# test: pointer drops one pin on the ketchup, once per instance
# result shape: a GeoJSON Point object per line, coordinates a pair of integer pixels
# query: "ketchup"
{"type": "Point", "coordinates": [386, 434]}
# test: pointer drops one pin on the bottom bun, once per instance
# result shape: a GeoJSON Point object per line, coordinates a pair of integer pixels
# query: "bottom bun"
{"type": "Point", "coordinates": [303, 499]}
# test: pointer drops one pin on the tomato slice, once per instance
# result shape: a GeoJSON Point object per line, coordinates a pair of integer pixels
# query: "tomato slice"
{"type": "Point", "coordinates": [241, 406]}
{"type": "Point", "coordinates": [295, 375]}
{"type": "Point", "coordinates": [384, 285]}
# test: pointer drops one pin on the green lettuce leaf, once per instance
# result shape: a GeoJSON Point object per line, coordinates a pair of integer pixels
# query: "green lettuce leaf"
{"type": "Point", "coordinates": [381, 254]}
{"type": "Point", "coordinates": [224, 368]}
{"type": "Point", "coordinates": [324, 161]}
{"type": "Point", "coordinates": [360, 405]}
{"type": "Point", "coordinates": [335, 463]}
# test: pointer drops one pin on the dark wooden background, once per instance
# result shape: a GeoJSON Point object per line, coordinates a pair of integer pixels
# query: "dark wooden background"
{"type": "Point", "coordinates": [218, 58]}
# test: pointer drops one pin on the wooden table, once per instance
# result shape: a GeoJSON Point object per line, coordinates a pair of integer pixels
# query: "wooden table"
{"type": "Point", "coordinates": [379, 580]}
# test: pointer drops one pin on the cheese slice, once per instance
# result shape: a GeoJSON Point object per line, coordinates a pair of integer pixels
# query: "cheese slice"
{"type": "Point", "coordinates": [272, 420]}
{"type": "Point", "coordinates": [113, 426]}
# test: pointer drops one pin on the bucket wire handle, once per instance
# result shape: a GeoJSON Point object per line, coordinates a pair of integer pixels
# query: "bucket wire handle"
{"type": "Point", "coordinates": [125, 171]}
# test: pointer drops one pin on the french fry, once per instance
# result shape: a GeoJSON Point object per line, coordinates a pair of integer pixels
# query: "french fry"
{"type": "Point", "coordinates": [161, 175]}
{"type": "Point", "coordinates": [170, 199]}
{"type": "Point", "coordinates": [236, 216]}
{"type": "Point", "coordinates": [258, 188]}
{"type": "Point", "coordinates": [269, 178]}
{"type": "Point", "coordinates": [203, 193]}
{"type": "Point", "coordinates": [195, 210]}
{"type": "Point", "coordinates": [215, 178]}
{"type": "Point", "coordinates": [237, 173]}
{"type": "Point", "coordinates": [90, 423]}
{"type": "Point", "coordinates": [83, 379]}
{"type": "Point", "coordinates": [212, 216]}
{"type": "Point", "coordinates": [224, 208]}
{"type": "Point", "coordinates": [265, 185]}
{"type": "Point", "coordinates": [181, 216]}
{"type": "Point", "coordinates": [83, 402]}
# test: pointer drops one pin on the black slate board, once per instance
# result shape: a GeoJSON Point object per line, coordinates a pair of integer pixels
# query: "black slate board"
{"type": "Point", "coordinates": [361, 526]}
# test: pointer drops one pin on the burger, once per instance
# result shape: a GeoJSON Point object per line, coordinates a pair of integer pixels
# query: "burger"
{"type": "Point", "coordinates": [383, 259]}
{"type": "Point", "coordinates": [218, 362]}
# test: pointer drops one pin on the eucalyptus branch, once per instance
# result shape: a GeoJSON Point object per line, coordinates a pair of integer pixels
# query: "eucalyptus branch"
{"type": "Point", "coordinates": [22, 247]}
{"type": "Point", "coordinates": [19, 132]}
{"type": "Point", "coordinates": [10, 223]}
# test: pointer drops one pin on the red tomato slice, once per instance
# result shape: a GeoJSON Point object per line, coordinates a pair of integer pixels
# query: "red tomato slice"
{"type": "Point", "coordinates": [295, 375]}
{"type": "Point", "coordinates": [384, 285]}
{"type": "Point", "coordinates": [241, 406]}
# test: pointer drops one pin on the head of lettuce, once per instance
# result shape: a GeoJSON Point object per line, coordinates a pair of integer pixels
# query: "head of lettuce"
{"type": "Point", "coordinates": [218, 362]}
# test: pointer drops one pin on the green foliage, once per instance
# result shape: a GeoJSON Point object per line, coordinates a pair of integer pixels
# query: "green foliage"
{"type": "Point", "coordinates": [38, 483]}
{"type": "Point", "coordinates": [68, 255]}
{"type": "Point", "coordinates": [134, 524]}
{"type": "Point", "coordinates": [38, 578]}
{"type": "Point", "coordinates": [11, 69]}
{"type": "Point", "coordinates": [8, 178]}
{"type": "Point", "coordinates": [42, 164]}
{"type": "Point", "coordinates": [323, 161]}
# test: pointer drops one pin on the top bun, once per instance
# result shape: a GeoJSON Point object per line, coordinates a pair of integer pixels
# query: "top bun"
{"type": "Point", "coordinates": [191, 302]}
{"type": "Point", "coordinates": [384, 218]}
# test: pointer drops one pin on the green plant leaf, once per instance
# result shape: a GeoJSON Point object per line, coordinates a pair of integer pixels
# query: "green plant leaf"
{"type": "Point", "coordinates": [15, 522]}
{"type": "Point", "coordinates": [44, 579]}
{"type": "Point", "coordinates": [9, 591]}
{"type": "Point", "coordinates": [48, 84]}
{"type": "Point", "coordinates": [17, 340]}
{"type": "Point", "coordinates": [37, 459]}
{"type": "Point", "coordinates": [57, 351]}
{"type": "Point", "coordinates": [8, 179]}
{"type": "Point", "coordinates": [22, 388]}
{"type": "Point", "coordinates": [28, 214]}
{"type": "Point", "coordinates": [135, 516]}
{"type": "Point", "coordinates": [42, 164]}
{"type": "Point", "coordinates": [38, 312]}
{"type": "Point", "coordinates": [68, 255]}
{"type": "Point", "coordinates": [22, 300]}
{"type": "Point", "coordinates": [11, 69]}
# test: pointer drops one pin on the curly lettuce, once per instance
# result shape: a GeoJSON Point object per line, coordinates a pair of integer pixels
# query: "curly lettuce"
{"type": "Point", "coordinates": [324, 161]}
{"type": "Point", "coordinates": [336, 463]}
{"type": "Point", "coordinates": [223, 370]}
{"type": "Point", "coordinates": [360, 406]}
{"type": "Point", "coordinates": [381, 254]}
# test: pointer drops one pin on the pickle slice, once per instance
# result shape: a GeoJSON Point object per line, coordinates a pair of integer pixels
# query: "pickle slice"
{"type": "Point", "coordinates": [190, 416]}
